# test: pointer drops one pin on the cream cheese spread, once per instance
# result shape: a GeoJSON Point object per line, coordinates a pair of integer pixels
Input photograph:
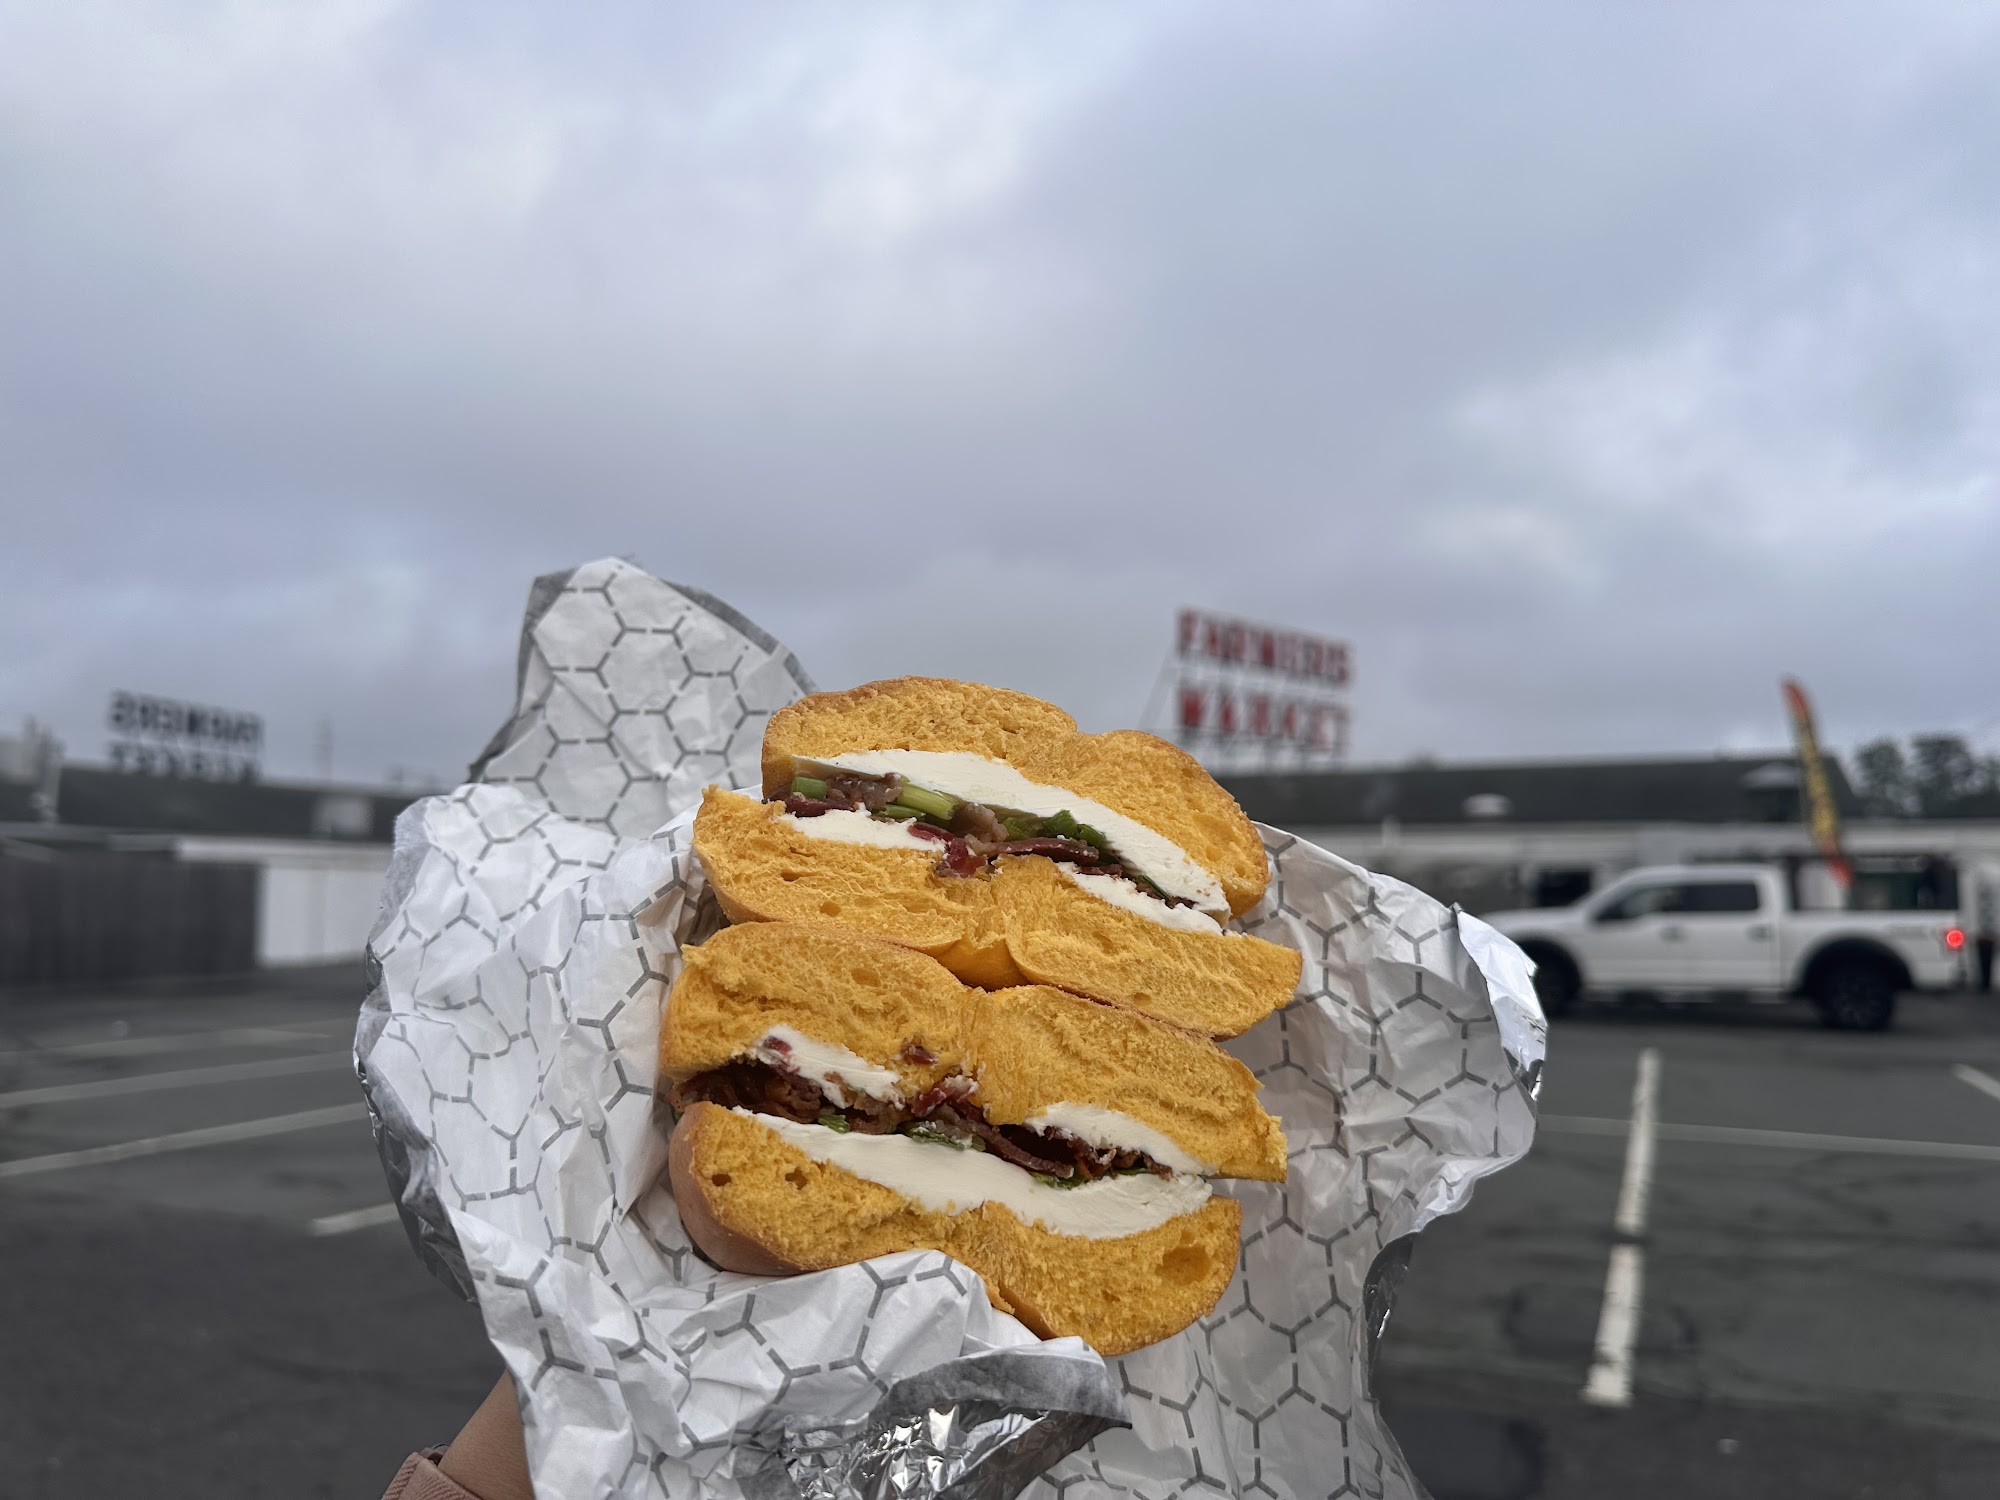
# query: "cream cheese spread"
{"type": "Point", "coordinates": [975, 778]}
{"type": "Point", "coordinates": [834, 1069]}
{"type": "Point", "coordinates": [1126, 896]}
{"type": "Point", "coordinates": [1112, 1129]}
{"type": "Point", "coordinates": [945, 1180]}
{"type": "Point", "coordinates": [844, 826]}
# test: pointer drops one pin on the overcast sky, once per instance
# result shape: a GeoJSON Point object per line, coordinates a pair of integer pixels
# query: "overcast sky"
{"type": "Point", "coordinates": [1587, 367]}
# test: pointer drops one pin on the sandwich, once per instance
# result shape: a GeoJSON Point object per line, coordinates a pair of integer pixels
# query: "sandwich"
{"type": "Point", "coordinates": [838, 1097]}
{"type": "Point", "coordinates": [978, 826]}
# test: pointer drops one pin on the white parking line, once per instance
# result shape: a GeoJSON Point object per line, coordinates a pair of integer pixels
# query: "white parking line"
{"type": "Point", "coordinates": [353, 1219]}
{"type": "Point", "coordinates": [186, 1140]}
{"type": "Point", "coordinates": [185, 1078]}
{"type": "Point", "coordinates": [1610, 1381]}
{"type": "Point", "coordinates": [1986, 1083]}
{"type": "Point", "coordinates": [183, 1041]}
{"type": "Point", "coordinates": [1783, 1140]}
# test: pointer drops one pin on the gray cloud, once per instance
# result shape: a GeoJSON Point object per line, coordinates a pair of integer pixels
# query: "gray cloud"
{"type": "Point", "coordinates": [1587, 369]}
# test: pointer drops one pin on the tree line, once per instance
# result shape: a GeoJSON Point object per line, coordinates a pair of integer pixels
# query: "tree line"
{"type": "Point", "coordinates": [1937, 776]}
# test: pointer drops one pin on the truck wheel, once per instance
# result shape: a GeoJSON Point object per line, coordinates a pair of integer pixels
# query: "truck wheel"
{"type": "Point", "coordinates": [1556, 984]}
{"type": "Point", "coordinates": [1856, 996]}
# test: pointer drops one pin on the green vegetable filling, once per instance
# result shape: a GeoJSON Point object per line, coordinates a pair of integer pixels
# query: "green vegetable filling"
{"type": "Point", "coordinates": [1064, 826]}
{"type": "Point", "coordinates": [937, 1135]}
{"type": "Point", "coordinates": [930, 804]}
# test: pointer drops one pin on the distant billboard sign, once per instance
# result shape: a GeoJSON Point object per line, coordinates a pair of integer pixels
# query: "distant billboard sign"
{"type": "Point", "coordinates": [1240, 643]}
{"type": "Point", "coordinates": [1259, 692]}
{"type": "Point", "coordinates": [169, 737]}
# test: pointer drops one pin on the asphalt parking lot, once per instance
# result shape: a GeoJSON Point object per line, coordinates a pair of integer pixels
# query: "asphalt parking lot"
{"type": "Point", "coordinates": [1821, 1287]}
{"type": "Point", "coordinates": [203, 1295]}
{"type": "Point", "coordinates": [175, 1327]}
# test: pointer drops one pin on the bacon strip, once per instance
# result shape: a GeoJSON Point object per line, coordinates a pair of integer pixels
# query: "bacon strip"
{"type": "Point", "coordinates": [996, 1139]}
{"type": "Point", "coordinates": [1074, 850]}
{"type": "Point", "coordinates": [754, 1086]}
{"type": "Point", "coordinates": [801, 806]}
{"type": "Point", "coordinates": [957, 859]}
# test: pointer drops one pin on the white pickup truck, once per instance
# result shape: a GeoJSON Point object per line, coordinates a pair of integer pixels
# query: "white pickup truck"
{"type": "Point", "coordinates": [1698, 931]}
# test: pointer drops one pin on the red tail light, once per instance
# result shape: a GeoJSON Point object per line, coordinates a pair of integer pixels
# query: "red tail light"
{"type": "Point", "coordinates": [1954, 938]}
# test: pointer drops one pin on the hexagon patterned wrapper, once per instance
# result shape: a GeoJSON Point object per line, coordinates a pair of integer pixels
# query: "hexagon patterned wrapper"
{"type": "Point", "coordinates": [531, 926]}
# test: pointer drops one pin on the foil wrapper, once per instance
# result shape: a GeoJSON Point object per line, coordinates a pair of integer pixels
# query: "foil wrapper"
{"type": "Point", "coordinates": [532, 923]}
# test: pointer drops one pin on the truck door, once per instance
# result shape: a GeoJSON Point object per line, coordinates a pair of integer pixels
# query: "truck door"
{"type": "Point", "coordinates": [1728, 932]}
{"type": "Point", "coordinates": [1626, 943]}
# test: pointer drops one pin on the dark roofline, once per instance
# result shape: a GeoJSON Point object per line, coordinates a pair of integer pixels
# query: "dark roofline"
{"type": "Point", "coordinates": [100, 799]}
{"type": "Point", "coordinates": [279, 783]}
{"type": "Point", "coordinates": [1745, 758]}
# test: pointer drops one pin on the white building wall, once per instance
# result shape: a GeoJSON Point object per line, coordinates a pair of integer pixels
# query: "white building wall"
{"type": "Point", "coordinates": [1610, 849]}
{"type": "Point", "coordinates": [317, 902]}
{"type": "Point", "coordinates": [1626, 844]}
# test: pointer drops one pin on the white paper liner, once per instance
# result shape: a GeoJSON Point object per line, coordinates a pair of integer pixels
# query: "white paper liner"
{"type": "Point", "coordinates": [531, 927]}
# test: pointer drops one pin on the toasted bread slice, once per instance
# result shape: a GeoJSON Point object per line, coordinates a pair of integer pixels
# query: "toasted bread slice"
{"type": "Point", "coordinates": [1028, 1048]}
{"type": "Point", "coordinates": [1138, 775]}
{"type": "Point", "coordinates": [755, 1203]}
{"type": "Point", "coordinates": [1026, 923]}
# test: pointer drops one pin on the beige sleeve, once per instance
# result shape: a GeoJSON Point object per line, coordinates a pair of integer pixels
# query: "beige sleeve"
{"type": "Point", "coordinates": [420, 1479]}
